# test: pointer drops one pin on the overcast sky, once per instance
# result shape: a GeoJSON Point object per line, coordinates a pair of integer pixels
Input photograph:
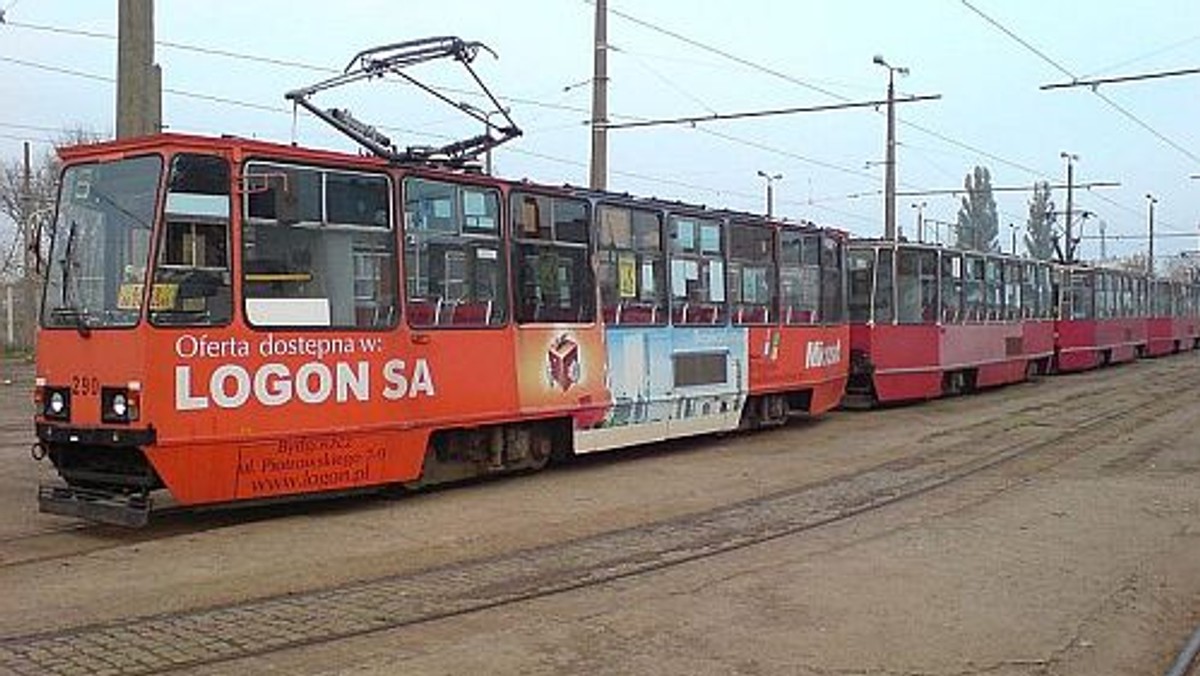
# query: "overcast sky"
{"type": "Point", "coordinates": [791, 54]}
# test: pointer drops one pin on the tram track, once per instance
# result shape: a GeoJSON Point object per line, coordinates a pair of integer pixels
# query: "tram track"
{"type": "Point", "coordinates": [196, 638]}
{"type": "Point", "coordinates": [67, 541]}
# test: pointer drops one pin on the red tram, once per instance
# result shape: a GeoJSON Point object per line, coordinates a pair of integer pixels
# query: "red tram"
{"type": "Point", "coordinates": [1102, 317]}
{"type": "Point", "coordinates": [1173, 325]}
{"type": "Point", "coordinates": [234, 320]}
{"type": "Point", "coordinates": [928, 320]}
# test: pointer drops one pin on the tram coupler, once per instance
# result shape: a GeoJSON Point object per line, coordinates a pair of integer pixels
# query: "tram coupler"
{"type": "Point", "coordinates": [131, 510]}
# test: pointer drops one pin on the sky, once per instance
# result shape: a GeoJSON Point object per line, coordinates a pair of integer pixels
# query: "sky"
{"type": "Point", "coordinates": [673, 58]}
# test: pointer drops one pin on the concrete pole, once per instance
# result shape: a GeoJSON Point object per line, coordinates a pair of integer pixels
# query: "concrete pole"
{"type": "Point", "coordinates": [889, 188]}
{"type": "Point", "coordinates": [139, 92]}
{"type": "Point", "coordinates": [1069, 249]}
{"type": "Point", "coordinates": [29, 286]}
{"type": "Point", "coordinates": [599, 166]}
{"type": "Point", "coordinates": [1150, 255]}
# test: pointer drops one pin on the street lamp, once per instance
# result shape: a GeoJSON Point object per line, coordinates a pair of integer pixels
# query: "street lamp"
{"type": "Point", "coordinates": [1150, 256]}
{"type": "Point", "coordinates": [889, 187]}
{"type": "Point", "coordinates": [771, 178]}
{"type": "Point", "coordinates": [920, 207]}
{"type": "Point", "coordinates": [1071, 159]}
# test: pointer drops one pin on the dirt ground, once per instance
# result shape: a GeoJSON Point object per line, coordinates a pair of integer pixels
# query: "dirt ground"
{"type": "Point", "coordinates": [1078, 552]}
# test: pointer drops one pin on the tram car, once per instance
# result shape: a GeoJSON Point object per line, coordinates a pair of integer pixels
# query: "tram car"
{"type": "Point", "coordinates": [229, 320]}
{"type": "Point", "coordinates": [928, 321]}
{"type": "Point", "coordinates": [1172, 325]}
{"type": "Point", "coordinates": [1102, 317]}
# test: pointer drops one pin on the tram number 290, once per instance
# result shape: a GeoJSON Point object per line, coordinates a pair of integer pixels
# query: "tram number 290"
{"type": "Point", "coordinates": [85, 386]}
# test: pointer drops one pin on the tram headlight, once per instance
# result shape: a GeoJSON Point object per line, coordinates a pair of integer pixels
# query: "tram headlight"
{"type": "Point", "coordinates": [57, 403]}
{"type": "Point", "coordinates": [118, 405]}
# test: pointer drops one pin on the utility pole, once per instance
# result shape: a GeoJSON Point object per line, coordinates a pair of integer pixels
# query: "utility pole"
{"type": "Point", "coordinates": [920, 207]}
{"type": "Point", "coordinates": [771, 178]}
{"type": "Point", "coordinates": [139, 79]}
{"type": "Point", "coordinates": [1012, 228]}
{"type": "Point", "coordinates": [28, 285]}
{"type": "Point", "coordinates": [1150, 256]}
{"type": "Point", "coordinates": [1103, 241]}
{"type": "Point", "coordinates": [1069, 249]}
{"type": "Point", "coordinates": [599, 167]}
{"type": "Point", "coordinates": [889, 186]}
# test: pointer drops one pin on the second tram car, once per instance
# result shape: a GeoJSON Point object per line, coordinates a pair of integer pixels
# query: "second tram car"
{"type": "Point", "coordinates": [927, 320]}
{"type": "Point", "coordinates": [1102, 317]}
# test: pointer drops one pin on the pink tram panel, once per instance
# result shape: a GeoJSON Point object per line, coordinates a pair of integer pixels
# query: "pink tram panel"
{"type": "Point", "coordinates": [928, 321]}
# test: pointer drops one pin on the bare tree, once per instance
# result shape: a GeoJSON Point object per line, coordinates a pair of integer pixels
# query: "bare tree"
{"type": "Point", "coordinates": [27, 195]}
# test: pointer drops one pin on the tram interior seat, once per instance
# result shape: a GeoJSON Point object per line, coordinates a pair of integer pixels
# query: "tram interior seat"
{"type": "Point", "coordinates": [423, 312]}
{"type": "Point", "coordinates": [471, 313]}
{"type": "Point", "coordinates": [630, 313]}
{"type": "Point", "coordinates": [694, 314]}
{"type": "Point", "coordinates": [753, 314]}
{"type": "Point", "coordinates": [794, 315]}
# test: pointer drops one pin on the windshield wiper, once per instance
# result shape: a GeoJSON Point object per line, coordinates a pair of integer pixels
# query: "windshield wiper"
{"type": "Point", "coordinates": [67, 260]}
{"type": "Point", "coordinates": [73, 316]}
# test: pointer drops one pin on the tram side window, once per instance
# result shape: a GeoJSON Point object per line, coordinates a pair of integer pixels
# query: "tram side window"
{"type": "Point", "coordinates": [192, 284]}
{"type": "Point", "coordinates": [799, 277]}
{"type": "Point", "coordinates": [1103, 296]}
{"type": "Point", "coordinates": [1012, 290]}
{"type": "Point", "coordinates": [455, 274]}
{"type": "Point", "coordinates": [975, 295]}
{"type": "Point", "coordinates": [861, 263]}
{"type": "Point", "coordinates": [916, 278]}
{"type": "Point", "coordinates": [697, 271]}
{"type": "Point", "coordinates": [318, 248]}
{"type": "Point", "coordinates": [885, 275]}
{"type": "Point", "coordinates": [952, 288]}
{"type": "Point", "coordinates": [751, 274]}
{"type": "Point", "coordinates": [630, 266]}
{"type": "Point", "coordinates": [1029, 297]}
{"type": "Point", "coordinates": [833, 292]}
{"type": "Point", "coordinates": [550, 259]}
{"type": "Point", "coordinates": [1081, 295]}
{"type": "Point", "coordinates": [1046, 293]}
{"type": "Point", "coordinates": [994, 276]}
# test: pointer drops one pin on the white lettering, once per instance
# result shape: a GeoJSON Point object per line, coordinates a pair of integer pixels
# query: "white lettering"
{"type": "Point", "coordinates": [273, 385]}
{"type": "Point", "coordinates": [397, 382]}
{"type": "Point", "coordinates": [353, 381]}
{"type": "Point", "coordinates": [422, 380]}
{"type": "Point", "coordinates": [276, 384]}
{"type": "Point", "coordinates": [222, 377]}
{"type": "Point", "coordinates": [304, 378]}
{"type": "Point", "coordinates": [184, 400]}
{"type": "Point", "coordinates": [821, 355]}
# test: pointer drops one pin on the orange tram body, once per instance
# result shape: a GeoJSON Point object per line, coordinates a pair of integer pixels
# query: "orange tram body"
{"type": "Point", "coordinates": [234, 320]}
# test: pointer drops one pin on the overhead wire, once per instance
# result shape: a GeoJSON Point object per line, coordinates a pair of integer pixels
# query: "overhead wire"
{"type": "Point", "coordinates": [1096, 91]}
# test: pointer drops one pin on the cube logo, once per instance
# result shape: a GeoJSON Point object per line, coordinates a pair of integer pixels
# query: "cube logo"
{"type": "Point", "coordinates": [562, 363]}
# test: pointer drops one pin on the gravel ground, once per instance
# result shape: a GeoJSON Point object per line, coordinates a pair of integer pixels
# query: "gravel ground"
{"type": "Point", "coordinates": [1071, 545]}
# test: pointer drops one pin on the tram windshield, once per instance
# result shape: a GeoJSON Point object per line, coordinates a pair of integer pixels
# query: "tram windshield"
{"type": "Point", "coordinates": [101, 244]}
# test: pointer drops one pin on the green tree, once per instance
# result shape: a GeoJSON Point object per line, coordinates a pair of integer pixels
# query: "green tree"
{"type": "Point", "coordinates": [978, 224]}
{"type": "Point", "coordinates": [1039, 239]}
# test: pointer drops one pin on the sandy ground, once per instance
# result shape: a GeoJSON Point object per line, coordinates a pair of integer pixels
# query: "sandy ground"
{"type": "Point", "coordinates": [1073, 561]}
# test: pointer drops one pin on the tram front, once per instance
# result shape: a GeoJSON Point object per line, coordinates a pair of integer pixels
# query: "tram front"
{"type": "Point", "coordinates": [90, 349]}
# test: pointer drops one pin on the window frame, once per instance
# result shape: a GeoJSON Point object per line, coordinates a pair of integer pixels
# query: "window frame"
{"type": "Point", "coordinates": [467, 240]}
{"type": "Point", "coordinates": [388, 230]}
